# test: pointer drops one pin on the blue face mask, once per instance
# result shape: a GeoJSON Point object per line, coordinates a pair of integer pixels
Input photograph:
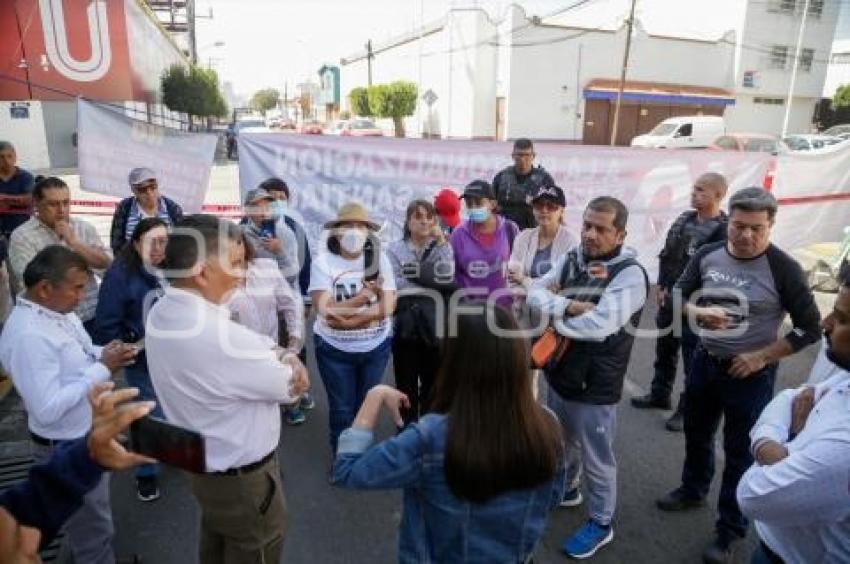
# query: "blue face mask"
{"type": "Point", "coordinates": [278, 209]}
{"type": "Point", "coordinates": [478, 215]}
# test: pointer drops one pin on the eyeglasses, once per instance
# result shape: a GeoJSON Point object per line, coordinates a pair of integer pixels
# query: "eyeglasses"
{"type": "Point", "coordinates": [144, 188]}
{"type": "Point", "coordinates": [517, 155]}
{"type": "Point", "coordinates": [545, 205]}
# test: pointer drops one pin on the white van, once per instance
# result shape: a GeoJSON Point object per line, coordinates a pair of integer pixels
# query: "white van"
{"type": "Point", "coordinates": [683, 132]}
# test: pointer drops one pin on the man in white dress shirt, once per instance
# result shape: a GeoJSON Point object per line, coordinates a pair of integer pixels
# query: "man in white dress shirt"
{"type": "Point", "coordinates": [227, 382]}
{"type": "Point", "coordinates": [798, 491]}
{"type": "Point", "coordinates": [54, 365]}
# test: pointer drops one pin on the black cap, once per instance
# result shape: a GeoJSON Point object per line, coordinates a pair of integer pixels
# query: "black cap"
{"type": "Point", "coordinates": [550, 193]}
{"type": "Point", "coordinates": [478, 189]}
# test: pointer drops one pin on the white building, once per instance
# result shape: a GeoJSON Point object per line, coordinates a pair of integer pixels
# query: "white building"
{"type": "Point", "coordinates": [838, 71]}
{"type": "Point", "coordinates": [556, 77]}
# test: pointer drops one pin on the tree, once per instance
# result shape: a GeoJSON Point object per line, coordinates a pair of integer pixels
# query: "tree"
{"type": "Point", "coordinates": [358, 100]}
{"type": "Point", "coordinates": [841, 98]}
{"type": "Point", "coordinates": [395, 100]}
{"type": "Point", "coordinates": [193, 91]}
{"type": "Point", "coordinates": [265, 99]}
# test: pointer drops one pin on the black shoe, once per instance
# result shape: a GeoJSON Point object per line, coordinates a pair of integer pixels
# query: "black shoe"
{"type": "Point", "coordinates": [720, 551]}
{"type": "Point", "coordinates": [676, 423]}
{"type": "Point", "coordinates": [678, 501]}
{"type": "Point", "coordinates": [147, 488]}
{"type": "Point", "coordinates": [650, 401]}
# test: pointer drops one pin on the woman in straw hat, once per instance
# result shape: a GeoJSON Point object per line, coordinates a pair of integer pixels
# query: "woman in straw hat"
{"type": "Point", "coordinates": [353, 291]}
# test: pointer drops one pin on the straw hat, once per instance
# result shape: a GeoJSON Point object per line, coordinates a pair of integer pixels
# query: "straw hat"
{"type": "Point", "coordinates": [352, 212]}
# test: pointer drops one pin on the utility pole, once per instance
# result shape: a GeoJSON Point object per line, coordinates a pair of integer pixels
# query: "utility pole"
{"type": "Point", "coordinates": [791, 86]}
{"type": "Point", "coordinates": [631, 22]}
{"type": "Point", "coordinates": [369, 57]}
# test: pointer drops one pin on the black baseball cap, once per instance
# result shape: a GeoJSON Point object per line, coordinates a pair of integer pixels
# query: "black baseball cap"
{"type": "Point", "coordinates": [550, 193]}
{"type": "Point", "coordinates": [478, 189]}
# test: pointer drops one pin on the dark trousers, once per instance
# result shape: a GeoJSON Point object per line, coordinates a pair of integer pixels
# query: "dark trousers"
{"type": "Point", "coordinates": [667, 353]}
{"type": "Point", "coordinates": [137, 376]}
{"type": "Point", "coordinates": [243, 517]}
{"type": "Point", "coordinates": [347, 378]}
{"type": "Point", "coordinates": [415, 366]}
{"type": "Point", "coordinates": [712, 394]}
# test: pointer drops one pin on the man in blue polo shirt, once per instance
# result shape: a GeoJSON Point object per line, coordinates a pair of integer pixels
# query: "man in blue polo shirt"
{"type": "Point", "coordinates": [15, 190]}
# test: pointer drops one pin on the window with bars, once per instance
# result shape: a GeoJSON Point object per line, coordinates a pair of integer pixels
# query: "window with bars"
{"type": "Point", "coordinates": [769, 101]}
{"type": "Point", "coordinates": [806, 58]}
{"type": "Point", "coordinates": [815, 8]}
{"type": "Point", "coordinates": [778, 57]}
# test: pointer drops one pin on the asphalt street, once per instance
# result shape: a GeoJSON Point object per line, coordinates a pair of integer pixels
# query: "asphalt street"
{"type": "Point", "coordinates": [328, 525]}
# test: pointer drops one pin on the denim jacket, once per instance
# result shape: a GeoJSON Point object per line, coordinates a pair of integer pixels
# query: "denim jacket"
{"type": "Point", "coordinates": [436, 526]}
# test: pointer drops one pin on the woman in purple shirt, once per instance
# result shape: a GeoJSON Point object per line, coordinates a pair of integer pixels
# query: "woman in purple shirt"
{"type": "Point", "coordinates": [482, 246]}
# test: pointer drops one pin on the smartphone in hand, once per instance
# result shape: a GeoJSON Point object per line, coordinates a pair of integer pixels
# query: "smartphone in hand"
{"type": "Point", "coordinates": [168, 443]}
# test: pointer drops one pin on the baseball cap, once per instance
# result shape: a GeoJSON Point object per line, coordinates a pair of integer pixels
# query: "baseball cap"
{"type": "Point", "coordinates": [550, 193]}
{"type": "Point", "coordinates": [447, 204]}
{"type": "Point", "coordinates": [256, 195]}
{"type": "Point", "coordinates": [479, 189]}
{"type": "Point", "coordinates": [141, 174]}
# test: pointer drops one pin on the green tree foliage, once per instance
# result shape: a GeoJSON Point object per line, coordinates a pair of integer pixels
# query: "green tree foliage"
{"type": "Point", "coordinates": [192, 90]}
{"type": "Point", "coordinates": [265, 99]}
{"type": "Point", "coordinates": [358, 100]}
{"type": "Point", "coordinates": [395, 100]}
{"type": "Point", "coordinates": [841, 98]}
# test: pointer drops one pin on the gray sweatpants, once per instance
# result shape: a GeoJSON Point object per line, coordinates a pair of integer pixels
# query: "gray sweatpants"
{"type": "Point", "coordinates": [89, 530]}
{"type": "Point", "coordinates": [589, 436]}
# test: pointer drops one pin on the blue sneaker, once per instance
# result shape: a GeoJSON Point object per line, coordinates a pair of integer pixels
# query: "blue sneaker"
{"type": "Point", "coordinates": [587, 540]}
{"type": "Point", "coordinates": [572, 498]}
{"type": "Point", "coordinates": [307, 402]}
{"type": "Point", "coordinates": [295, 416]}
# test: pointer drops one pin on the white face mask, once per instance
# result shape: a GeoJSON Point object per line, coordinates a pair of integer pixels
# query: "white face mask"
{"type": "Point", "coordinates": [352, 240]}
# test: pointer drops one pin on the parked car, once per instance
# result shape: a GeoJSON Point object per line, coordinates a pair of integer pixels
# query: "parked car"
{"type": "Point", "coordinates": [749, 142]}
{"type": "Point", "coordinates": [311, 128]}
{"type": "Point", "coordinates": [810, 142]}
{"type": "Point", "coordinates": [683, 132]}
{"type": "Point", "coordinates": [336, 127]}
{"type": "Point", "coordinates": [838, 130]}
{"type": "Point", "coordinates": [361, 128]}
{"type": "Point", "coordinates": [822, 262]}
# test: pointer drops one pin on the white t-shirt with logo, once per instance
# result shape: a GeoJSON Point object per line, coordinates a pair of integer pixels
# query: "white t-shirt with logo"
{"type": "Point", "coordinates": [342, 279]}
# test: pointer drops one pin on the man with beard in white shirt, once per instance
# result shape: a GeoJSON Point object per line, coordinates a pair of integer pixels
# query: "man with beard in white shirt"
{"type": "Point", "coordinates": [798, 490]}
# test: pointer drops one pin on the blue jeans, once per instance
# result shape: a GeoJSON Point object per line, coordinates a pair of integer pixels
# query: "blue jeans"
{"type": "Point", "coordinates": [347, 377]}
{"type": "Point", "coordinates": [137, 376]}
{"type": "Point", "coordinates": [712, 394]}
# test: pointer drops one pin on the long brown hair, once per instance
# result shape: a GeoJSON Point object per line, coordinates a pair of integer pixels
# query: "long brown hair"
{"type": "Point", "coordinates": [499, 438]}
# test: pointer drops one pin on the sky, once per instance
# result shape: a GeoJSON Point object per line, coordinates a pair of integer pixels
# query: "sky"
{"type": "Point", "coordinates": [269, 43]}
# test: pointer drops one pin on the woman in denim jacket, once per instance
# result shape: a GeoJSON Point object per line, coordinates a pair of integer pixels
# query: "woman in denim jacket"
{"type": "Point", "coordinates": [481, 473]}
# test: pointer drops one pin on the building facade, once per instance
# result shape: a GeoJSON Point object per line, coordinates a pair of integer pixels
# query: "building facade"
{"type": "Point", "coordinates": [556, 78]}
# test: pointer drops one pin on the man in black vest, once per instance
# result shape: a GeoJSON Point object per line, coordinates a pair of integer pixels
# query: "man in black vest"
{"type": "Point", "coordinates": [736, 294]}
{"type": "Point", "coordinates": [600, 290]}
{"type": "Point", "coordinates": [517, 184]}
{"type": "Point", "coordinates": [705, 223]}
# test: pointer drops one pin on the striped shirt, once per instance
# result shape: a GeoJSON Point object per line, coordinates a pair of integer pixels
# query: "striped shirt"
{"type": "Point", "coordinates": [31, 237]}
{"type": "Point", "coordinates": [137, 214]}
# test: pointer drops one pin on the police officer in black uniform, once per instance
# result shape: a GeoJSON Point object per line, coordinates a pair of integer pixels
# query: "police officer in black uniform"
{"type": "Point", "coordinates": [705, 223]}
{"type": "Point", "coordinates": [517, 184]}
